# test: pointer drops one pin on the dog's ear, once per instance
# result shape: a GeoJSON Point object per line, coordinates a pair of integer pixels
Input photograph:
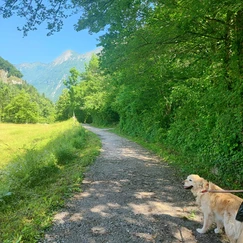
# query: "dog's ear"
{"type": "Point", "coordinates": [205, 184]}
{"type": "Point", "coordinates": [202, 184]}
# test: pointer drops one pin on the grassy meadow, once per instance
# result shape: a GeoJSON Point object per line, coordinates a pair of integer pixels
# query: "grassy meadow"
{"type": "Point", "coordinates": [15, 139]}
{"type": "Point", "coordinates": [40, 166]}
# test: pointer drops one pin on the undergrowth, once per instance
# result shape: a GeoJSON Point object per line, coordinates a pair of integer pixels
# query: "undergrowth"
{"type": "Point", "coordinates": [35, 184]}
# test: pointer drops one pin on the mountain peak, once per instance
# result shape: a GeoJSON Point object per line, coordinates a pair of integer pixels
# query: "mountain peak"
{"type": "Point", "coordinates": [48, 77]}
{"type": "Point", "coordinates": [63, 57]}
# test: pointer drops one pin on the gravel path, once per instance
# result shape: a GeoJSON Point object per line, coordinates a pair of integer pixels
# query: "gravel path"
{"type": "Point", "coordinates": [129, 195]}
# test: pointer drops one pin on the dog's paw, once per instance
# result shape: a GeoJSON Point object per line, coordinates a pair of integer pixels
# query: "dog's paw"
{"type": "Point", "coordinates": [201, 231]}
{"type": "Point", "coordinates": [217, 231]}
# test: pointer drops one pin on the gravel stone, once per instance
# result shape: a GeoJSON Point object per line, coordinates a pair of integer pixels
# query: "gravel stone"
{"type": "Point", "coordinates": [129, 195]}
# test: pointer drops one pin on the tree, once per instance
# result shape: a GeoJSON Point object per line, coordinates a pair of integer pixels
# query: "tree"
{"type": "Point", "coordinates": [4, 99]}
{"type": "Point", "coordinates": [94, 95]}
{"type": "Point", "coordinates": [63, 106]}
{"type": "Point", "coordinates": [47, 110]}
{"type": "Point", "coordinates": [22, 110]}
{"type": "Point", "coordinates": [71, 84]}
{"type": "Point", "coordinates": [8, 104]}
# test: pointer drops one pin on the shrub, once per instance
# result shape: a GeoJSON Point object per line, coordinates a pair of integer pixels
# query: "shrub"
{"type": "Point", "coordinates": [65, 153]}
{"type": "Point", "coordinates": [33, 168]}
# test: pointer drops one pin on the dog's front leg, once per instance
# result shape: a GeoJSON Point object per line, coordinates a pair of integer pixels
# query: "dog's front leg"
{"type": "Point", "coordinates": [206, 223]}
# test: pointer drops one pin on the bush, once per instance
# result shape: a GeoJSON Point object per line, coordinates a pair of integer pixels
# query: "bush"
{"type": "Point", "coordinates": [65, 153]}
{"type": "Point", "coordinates": [33, 168]}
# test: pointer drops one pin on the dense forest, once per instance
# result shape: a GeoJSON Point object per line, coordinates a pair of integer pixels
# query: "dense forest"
{"type": "Point", "coordinates": [170, 72]}
{"type": "Point", "coordinates": [21, 102]}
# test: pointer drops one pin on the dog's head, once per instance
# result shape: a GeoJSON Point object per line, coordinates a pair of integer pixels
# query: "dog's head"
{"type": "Point", "coordinates": [195, 183]}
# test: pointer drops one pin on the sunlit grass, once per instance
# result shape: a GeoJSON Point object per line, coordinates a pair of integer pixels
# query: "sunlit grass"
{"type": "Point", "coordinates": [15, 138]}
{"type": "Point", "coordinates": [41, 167]}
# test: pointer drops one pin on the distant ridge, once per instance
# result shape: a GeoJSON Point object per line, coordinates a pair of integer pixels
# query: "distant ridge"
{"type": "Point", "coordinates": [67, 55]}
{"type": "Point", "coordinates": [48, 78]}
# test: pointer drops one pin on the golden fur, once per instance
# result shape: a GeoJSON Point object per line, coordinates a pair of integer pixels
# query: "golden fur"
{"type": "Point", "coordinates": [219, 208]}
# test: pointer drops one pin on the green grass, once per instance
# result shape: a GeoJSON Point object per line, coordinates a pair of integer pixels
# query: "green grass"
{"type": "Point", "coordinates": [41, 167]}
{"type": "Point", "coordinates": [15, 138]}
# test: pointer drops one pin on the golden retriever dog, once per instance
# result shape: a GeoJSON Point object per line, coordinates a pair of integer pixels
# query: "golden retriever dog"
{"type": "Point", "coordinates": [219, 208]}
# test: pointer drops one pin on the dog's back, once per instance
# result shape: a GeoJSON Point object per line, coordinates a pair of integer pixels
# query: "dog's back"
{"type": "Point", "coordinates": [225, 207]}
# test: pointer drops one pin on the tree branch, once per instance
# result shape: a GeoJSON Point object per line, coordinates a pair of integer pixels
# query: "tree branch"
{"type": "Point", "coordinates": [205, 35]}
{"type": "Point", "coordinates": [216, 20]}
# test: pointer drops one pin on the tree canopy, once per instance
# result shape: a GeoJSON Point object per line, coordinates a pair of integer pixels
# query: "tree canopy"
{"type": "Point", "coordinates": [95, 15]}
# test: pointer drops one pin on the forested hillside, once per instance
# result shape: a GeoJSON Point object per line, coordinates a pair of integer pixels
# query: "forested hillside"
{"type": "Point", "coordinates": [171, 73]}
{"type": "Point", "coordinates": [9, 68]}
{"type": "Point", "coordinates": [19, 101]}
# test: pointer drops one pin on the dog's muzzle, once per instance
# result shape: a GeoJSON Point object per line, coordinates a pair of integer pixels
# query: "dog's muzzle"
{"type": "Point", "coordinates": [188, 187]}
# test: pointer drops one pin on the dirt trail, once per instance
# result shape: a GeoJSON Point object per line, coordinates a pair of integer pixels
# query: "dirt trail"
{"type": "Point", "coordinates": [129, 195]}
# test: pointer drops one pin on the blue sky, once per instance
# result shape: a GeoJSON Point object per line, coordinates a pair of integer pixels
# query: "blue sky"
{"type": "Point", "coordinates": [37, 47]}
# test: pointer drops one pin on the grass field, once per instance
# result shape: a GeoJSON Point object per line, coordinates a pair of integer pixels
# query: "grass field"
{"type": "Point", "coordinates": [14, 139]}
{"type": "Point", "coordinates": [40, 166]}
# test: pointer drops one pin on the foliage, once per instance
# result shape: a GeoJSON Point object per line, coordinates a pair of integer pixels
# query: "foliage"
{"type": "Point", "coordinates": [178, 82]}
{"type": "Point", "coordinates": [96, 94]}
{"type": "Point", "coordinates": [9, 68]}
{"type": "Point", "coordinates": [36, 12]}
{"type": "Point", "coordinates": [36, 181]}
{"type": "Point", "coordinates": [20, 102]}
{"type": "Point", "coordinates": [21, 109]}
{"type": "Point", "coordinates": [68, 105]}
{"type": "Point", "coordinates": [90, 98]}
{"type": "Point", "coordinates": [23, 104]}
{"type": "Point", "coordinates": [71, 84]}
{"type": "Point", "coordinates": [63, 106]}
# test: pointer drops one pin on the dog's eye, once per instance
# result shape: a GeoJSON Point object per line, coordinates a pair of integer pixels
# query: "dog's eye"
{"type": "Point", "coordinates": [190, 179]}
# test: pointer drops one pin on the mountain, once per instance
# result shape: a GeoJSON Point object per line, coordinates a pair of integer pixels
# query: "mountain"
{"type": "Point", "coordinates": [48, 78]}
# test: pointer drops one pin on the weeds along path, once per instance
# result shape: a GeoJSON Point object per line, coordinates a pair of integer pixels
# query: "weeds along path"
{"type": "Point", "coordinates": [129, 195]}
